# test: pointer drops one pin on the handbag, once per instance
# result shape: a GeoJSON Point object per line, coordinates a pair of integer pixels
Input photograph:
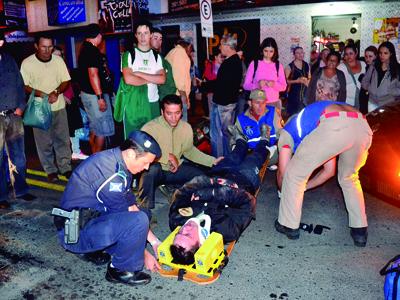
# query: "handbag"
{"type": "Point", "coordinates": [38, 112]}
{"type": "Point", "coordinates": [392, 283]}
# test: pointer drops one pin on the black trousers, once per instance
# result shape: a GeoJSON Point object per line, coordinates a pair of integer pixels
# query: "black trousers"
{"type": "Point", "coordinates": [156, 176]}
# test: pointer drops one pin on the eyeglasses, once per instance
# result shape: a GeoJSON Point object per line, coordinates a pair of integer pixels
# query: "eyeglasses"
{"type": "Point", "coordinates": [310, 228]}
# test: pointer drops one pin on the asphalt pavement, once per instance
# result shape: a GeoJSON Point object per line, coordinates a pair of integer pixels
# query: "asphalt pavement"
{"type": "Point", "coordinates": [263, 265]}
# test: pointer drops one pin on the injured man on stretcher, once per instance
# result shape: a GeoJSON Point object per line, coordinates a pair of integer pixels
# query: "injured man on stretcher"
{"type": "Point", "coordinates": [223, 202]}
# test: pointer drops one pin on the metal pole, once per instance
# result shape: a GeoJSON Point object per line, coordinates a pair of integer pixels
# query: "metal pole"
{"type": "Point", "coordinates": [208, 55]}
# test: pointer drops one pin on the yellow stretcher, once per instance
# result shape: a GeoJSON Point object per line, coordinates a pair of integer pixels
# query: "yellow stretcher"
{"type": "Point", "coordinates": [210, 258]}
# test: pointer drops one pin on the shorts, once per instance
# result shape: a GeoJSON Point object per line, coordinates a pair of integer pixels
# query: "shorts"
{"type": "Point", "coordinates": [100, 123]}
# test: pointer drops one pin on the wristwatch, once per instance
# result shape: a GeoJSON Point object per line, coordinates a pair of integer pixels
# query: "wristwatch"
{"type": "Point", "coordinates": [100, 96]}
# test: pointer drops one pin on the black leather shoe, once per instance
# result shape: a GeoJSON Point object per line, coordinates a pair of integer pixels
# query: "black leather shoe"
{"type": "Point", "coordinates": [292, 234]}
{"type": "Point", "coordinates": [4, 205]}
{"type": "Point", "coordinates": [67, 174]}
{"type": "Point", "coordinates": [265, 132]}
{"type": "Point", "coordinates": [97, 257]}
{"type": "Point", "coordinates": [125, 277]}
{"type": "Point", "coordinates": [235, 135]}
{"type": "Point", "coordinates": [359, 236]}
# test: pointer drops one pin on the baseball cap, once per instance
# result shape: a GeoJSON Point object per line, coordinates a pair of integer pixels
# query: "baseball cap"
{"type": "Point", "coordinates": [146, 141]}
{"type": "Point", "coordinates": [92, 30]}
{"type": "Point", "coordinates": [257, 94]}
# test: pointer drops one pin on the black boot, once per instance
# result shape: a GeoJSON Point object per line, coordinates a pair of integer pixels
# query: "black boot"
{"type": "Point", "coordinates": [292, 234]}
{"type": "Point", "coordinates": [265, 132]}
{"type": "Point", "coordinates": [125, 277]}
{"type": "Point", "coordinates": [235, 135]}
{"type": "Point", "coordinates": [359, 236]}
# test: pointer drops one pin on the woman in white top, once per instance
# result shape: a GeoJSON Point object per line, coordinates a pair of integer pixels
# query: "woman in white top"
{"type": "Point", "coordinates": [352, 69]}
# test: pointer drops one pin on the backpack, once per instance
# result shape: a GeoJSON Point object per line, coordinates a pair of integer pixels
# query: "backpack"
{"type": "Point", "coordinates": [132, 52]}
{"type": "Point", "coordinates": [255, 63]}
{"type": "Point", "coordinates": [256, 66]}
{"type": "Point", "coordinates": [392, 283]}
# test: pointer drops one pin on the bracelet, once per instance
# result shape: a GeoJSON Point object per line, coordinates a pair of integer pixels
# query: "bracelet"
{"type": "Point", "coordinates": [100, 96]}
{"type": "Point", "coordinates": [152, 243]}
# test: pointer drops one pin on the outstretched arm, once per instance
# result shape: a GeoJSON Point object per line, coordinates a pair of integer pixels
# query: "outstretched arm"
{"type": "Point", "coordinates": [327, 171]}
{"type": "Point", "coordinates": [285, 154]}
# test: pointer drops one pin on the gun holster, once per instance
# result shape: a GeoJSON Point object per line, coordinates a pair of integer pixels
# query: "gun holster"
{"type": "Point", "coordinates": [72, 222]}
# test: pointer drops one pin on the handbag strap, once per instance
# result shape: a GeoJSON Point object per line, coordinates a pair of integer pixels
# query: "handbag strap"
{"type": "Point", "coordinates": [385, 269]}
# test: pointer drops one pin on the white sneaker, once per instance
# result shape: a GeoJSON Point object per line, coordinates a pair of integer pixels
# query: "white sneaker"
{"type": "Point", "coordinates": [79, 156]}
{"type": "Point", "coordinates": [273, 168]}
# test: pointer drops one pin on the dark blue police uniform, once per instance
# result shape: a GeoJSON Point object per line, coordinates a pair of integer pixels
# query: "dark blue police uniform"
{"type": "Point", "coordinates": [102, 182]}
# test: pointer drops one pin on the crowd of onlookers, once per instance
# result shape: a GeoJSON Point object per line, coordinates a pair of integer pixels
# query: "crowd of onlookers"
{"type": "Point", "coordinates": [148, 76]}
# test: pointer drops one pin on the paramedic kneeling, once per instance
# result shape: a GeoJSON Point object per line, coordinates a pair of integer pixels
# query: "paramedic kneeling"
{"type": "Point", "coordinates": [319, 133]}
{"type": "Point", "coordinates": [101, 184]}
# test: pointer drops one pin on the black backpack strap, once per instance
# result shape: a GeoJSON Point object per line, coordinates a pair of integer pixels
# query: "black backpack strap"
{"type": "Point", "coordinates": [277, 68]}
{"type": "Point", "coordinates": [132, 52]}
{"type": "Point", "coordinates": [255, 62]}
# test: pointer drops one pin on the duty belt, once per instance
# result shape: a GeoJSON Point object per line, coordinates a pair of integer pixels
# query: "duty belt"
{"type": "Point", "coordinates": [72, 221]}
{"type": "Point", "coordinates": [4, 113]}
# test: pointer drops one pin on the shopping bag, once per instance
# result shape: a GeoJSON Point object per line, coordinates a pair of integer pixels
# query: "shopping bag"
{"type": "Point", "coordinates": [38, 112]}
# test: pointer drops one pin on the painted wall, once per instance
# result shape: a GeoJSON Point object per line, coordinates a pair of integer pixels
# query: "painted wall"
{"type": "Point", "coordinates": [286, 22]}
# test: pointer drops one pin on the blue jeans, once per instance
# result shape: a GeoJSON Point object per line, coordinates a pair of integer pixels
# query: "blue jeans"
{"type": "Point", "coordinates": [241, 104]}
{"type": "Point", "coordinates": [221, 117]}
{"type": "Point", "coordinates": [12, 136]}
{"type": "Point", "coordinates": [248, 165]}
{"type": "Point", "coordinates": [185, 112]}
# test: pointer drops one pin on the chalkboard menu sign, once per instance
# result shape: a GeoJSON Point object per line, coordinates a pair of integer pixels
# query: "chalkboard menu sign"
{"type": "Point", "coordinates": [62, 12]}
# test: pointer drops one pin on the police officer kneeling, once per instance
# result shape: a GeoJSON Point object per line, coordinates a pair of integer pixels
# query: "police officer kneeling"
{"type": "Point", "coordinates": [100, 187]}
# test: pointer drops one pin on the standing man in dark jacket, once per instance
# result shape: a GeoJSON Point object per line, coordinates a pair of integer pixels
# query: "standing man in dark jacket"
{"type": "Point", "coordinates": [101, 185]}
{"type": "Point", "coordinates": [12, 105]}
{"type": "Point", "coordinates": [94, 87]}
{"type": "Point", "coordinates": [226, 94]}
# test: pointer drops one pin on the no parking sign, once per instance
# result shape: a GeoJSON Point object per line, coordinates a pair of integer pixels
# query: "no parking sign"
{"type": "Point", "coordinates": [206, 18]}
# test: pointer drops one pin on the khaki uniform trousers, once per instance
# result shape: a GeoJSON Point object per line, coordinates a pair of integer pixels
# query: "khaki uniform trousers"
{"type": "Point", "coordinates": [349, 138]}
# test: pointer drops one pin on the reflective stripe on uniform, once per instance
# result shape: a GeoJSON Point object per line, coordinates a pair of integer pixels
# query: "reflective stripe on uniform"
{"type": "Point", "coordinates": [105, 183]}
